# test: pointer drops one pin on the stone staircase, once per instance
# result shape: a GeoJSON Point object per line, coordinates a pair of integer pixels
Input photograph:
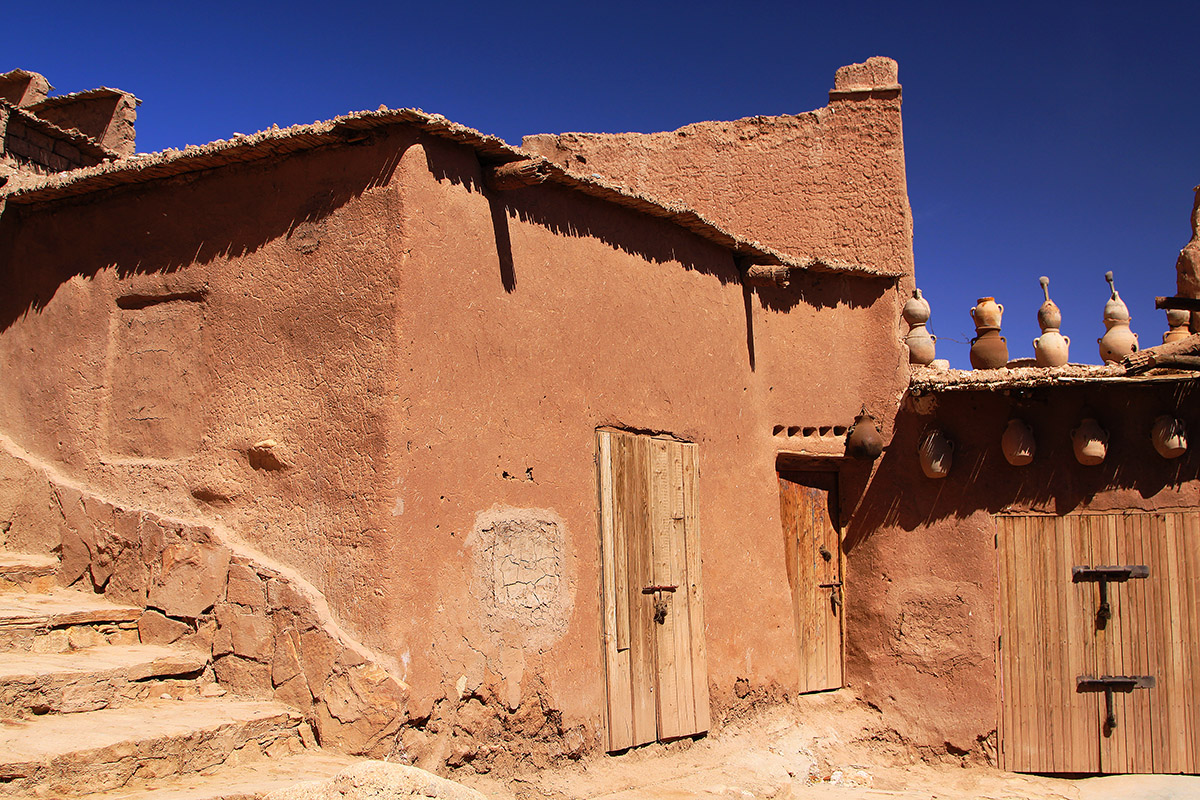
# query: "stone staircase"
{"type": "Point", "coordinates": [87, 710]}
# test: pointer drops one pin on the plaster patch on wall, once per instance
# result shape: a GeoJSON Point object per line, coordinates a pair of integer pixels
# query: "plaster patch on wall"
{"type": "Point", "coordinates": [520, 576]}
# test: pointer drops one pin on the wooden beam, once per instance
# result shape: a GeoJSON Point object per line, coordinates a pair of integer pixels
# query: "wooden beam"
{"type": "Point", "coordinates": [1185, 303]}
{"type": "Point", "coordinates": [516, 174]}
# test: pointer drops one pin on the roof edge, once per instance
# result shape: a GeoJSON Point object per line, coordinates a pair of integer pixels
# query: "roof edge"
{"type": "Point", "coordinates": [277, 142]}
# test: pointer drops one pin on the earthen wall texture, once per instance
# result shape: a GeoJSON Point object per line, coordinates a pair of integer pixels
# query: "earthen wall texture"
{"type": "Point", "coordinates": [31, 146]}
{"type": "Point", "coordinates": [921, 554]}
{"type": "Point", "coordinates": [829, 182]}
{"type": "Point", "coordinates": [382, 375]}
{"type": "Point", "coordinates": [108, 118]}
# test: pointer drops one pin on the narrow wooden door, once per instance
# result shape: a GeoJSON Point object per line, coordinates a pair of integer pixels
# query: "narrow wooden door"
{"type": "Point", "coordinates": [808, 511]}
{"type": "Point", "coordinates": [653, 618]}
{"type": "Point", "coordinates": [1136, 634]}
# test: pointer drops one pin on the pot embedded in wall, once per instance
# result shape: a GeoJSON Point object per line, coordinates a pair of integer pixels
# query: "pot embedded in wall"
{"type": "Point", "coordinates": [1018, 443]}
{"type": "Point", "coordinates": [1169, 436]}
{"type": "Point", "coordinates": [1090, 442]}
{"type": "Point", "coordinates": [987, 313]}
{"type": "Point", "coordinates": [989, 350]}
{"type": "Point", "coordinates": [863, 441]}
{"type": "Point", "coordinates": [936, 452]}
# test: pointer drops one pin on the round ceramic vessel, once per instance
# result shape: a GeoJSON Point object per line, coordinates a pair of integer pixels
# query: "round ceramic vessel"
{"type": "Point", "coordinates": [989, 350]}
{"type": "Point", "coordinates": [987, 313]}
{"type": "Point", "coordinates": [1051, 349]}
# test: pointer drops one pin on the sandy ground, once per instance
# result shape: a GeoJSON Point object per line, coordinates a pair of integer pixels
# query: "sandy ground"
{"type": "Point", "coordinates": [824, 746]}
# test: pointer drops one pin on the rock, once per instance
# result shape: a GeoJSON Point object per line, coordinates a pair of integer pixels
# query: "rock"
{"type": "Point", "coordinates": [243, 676]}
{"type": "Point", "coordinates": [245, 588]}
{"type": "Point", "coordinates": [154, 628]}
{"type": "Point", "coordinates": [250, 635]}
{"type": "Point", "coordinates": [378, 780]}
{"type": "Point", "coordinates": [286, 663]}
{"type": "Point", "coordinates": [190, 579]}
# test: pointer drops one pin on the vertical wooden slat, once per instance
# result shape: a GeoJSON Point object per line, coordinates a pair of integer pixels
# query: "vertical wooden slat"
{"type": "Point", "coordinates": [1188, 525]}
{"type": "Point", "coordinates": [662, 528]}
{"type": "Point", "coordinates": [618, 699]}
{"type": "Point", "coordinates": [636, 503]}
{"type": "Point", "coordinates": [1178, 745]}
{"type": "Point", "coordinates": [1056, 706]}
{"type": "Point", "coordinates": [1003, 722]}
{"type": "Point", "coordinates": [620, 458]}
{"type": "Point", "coordinates": [695, 597]}
{"type": "Point", "coordinates": [685, 691]}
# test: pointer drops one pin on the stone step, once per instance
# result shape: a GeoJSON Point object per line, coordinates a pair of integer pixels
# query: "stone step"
{"type": "Point", "coordinates": [96, 677]}
{"type": "Point", "coordinates": [135, 746]}
{"type": "Point", "coordinates": [246, 781]}
{"type": "Point", "coordinates": [63, 620]}
{"type": "Point", "coordinates": [25, 572]}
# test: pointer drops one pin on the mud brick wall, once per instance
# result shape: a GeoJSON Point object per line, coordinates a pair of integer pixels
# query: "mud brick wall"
{"type": "Point", "coordinates": [37, 146]}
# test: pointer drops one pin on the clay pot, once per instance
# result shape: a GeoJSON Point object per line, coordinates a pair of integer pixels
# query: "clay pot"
{"type": "Point", "coordinates": [1048, 315]}
{"type": "Point", "coordinates": [1117, 342]}
{"type": "Point", "coordinates": [1090, 442]}
{"type": "Point", "coordinates": [1018, 443]}
{"type": "Point", "coordinates": [863, 441]}
{"type": "Point", "coordinates": [936, 453]}
{"type": "Point", "coordinates": [1177, 325]}
{"type": "Point", "coordinates": [987, 313]}
{"type": "Point", "coordinates": [922, 348]}
{"type": "Point", "coordinates": [916, 310]}
{"type": "Point", "coordinates": [920, 342]}
{"type": "Point", "coordinates": [1051, 349]}
{"type": "Point", "coordinates": [1169, 436]}
{"type": "Point", "coordinates": [989, 350]}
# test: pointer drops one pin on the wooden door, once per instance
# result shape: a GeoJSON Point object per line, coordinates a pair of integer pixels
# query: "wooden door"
{"type": "Point", "coordinates": [1138, 635]}
{"type": "Point", "coordinates": [653, 618]}
{"type": "Point", "coordinates": [808, 511]}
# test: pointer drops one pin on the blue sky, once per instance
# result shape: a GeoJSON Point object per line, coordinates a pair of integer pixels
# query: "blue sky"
{"type": "Point", "coordinates": [1041, 138]}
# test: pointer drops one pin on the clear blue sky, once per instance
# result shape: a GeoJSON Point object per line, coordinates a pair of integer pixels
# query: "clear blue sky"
{"type": "Point", "coordinates": [1041, 138]}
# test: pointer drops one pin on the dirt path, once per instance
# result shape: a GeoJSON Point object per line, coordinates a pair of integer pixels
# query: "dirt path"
{"type": "Point", "coordinates": [825, 747]}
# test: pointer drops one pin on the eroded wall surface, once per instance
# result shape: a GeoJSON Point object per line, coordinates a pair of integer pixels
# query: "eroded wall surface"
{"type": "Point", "coordinates": [921, 553]}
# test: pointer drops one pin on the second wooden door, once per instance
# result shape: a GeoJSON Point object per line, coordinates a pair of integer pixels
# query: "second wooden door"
{"type": "Point", "coordinates": [808, 511]}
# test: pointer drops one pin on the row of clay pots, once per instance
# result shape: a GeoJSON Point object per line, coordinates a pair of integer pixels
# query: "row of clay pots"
{"type": "Point", "coordinates": [989, 350]}
{"type": "Point", "coordinates": [1088, 440]}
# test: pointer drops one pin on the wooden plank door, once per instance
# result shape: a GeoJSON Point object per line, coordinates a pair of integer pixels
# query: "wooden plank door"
{"type": "Point", "coordinates": [1045, 641]}
{"type": "Point", "coordinates": [653, 619]}
{"type": "Point", "coordinates": [1051, 633]}
{"type": "Point", "coordinates": [808, 512]}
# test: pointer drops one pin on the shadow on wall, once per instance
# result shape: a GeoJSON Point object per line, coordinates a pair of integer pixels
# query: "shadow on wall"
{"type": "Point", "coordinates": [569, 213]}
{"type": "Point", "coordinates": [164, 226]}
{"type": "Point", "coordinates": [1132, 475]}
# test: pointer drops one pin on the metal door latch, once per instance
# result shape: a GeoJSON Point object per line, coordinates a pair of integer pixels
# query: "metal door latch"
{"type": "Point", "coordinates": [1102, 576]}
{"type": "Point", "coordinates": [1109, 684]}
{"type": "Point", "coordinates": [835, 594]}
{"type": "Point", "coordinates": [660, 602]}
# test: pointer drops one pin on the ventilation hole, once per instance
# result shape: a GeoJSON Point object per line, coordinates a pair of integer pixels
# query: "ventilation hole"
{"type": "Point", "coordinates": [810, 431]}
{"type": "Point", "coordinates": [824, 430]}
{"type": "Point", "coordinates": [839, 430]}
{"type": "Point", "coordinates": [777, 430]}
{"type": "Point", "coordinates": [794, 430]}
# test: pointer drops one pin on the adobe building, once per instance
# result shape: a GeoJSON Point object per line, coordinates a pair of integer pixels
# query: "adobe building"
{"type": "Point", "coordinates": [408, 443]}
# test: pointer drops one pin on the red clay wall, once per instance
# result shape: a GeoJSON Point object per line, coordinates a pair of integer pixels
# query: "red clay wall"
{"type": "Point", "coordinates": [921, 556]}
{"type": "Point", "coordinates": [427, 360]}
{"type": "Point", "coordinates": [829, 182]}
